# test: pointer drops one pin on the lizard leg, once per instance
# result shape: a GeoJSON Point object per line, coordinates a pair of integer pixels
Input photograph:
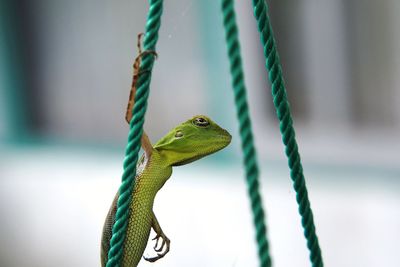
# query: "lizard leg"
{"type": "Point", "coordinates": [146, 145]}
{"type": "Point", "coordinates": [165, 241]}
{"type": "Point", "coordinates": [136, 74]}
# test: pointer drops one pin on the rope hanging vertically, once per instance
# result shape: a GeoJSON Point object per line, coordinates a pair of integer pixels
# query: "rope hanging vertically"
{"type": "Point", "coordinates": [281, 104]}
{"type": "Point", "coordinates": [135, 134]}
{"type": "Point", "coordinates": [242, 110]}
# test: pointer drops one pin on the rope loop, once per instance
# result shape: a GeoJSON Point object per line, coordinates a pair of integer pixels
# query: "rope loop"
{"type": "Point", "coordinates": [245, 129]}
{"type": "Point", "coordinates": [249, 153]}
{"type": "Point", "coordinates": [135, 133]}
{"type": "Point", "coordinates": [282, 107]}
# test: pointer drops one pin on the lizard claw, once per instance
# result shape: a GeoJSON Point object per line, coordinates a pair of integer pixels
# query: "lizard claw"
{"type": "Point", "coordinates": [165, 243]}
{"type": "Point", "coordinates": [160, 248]}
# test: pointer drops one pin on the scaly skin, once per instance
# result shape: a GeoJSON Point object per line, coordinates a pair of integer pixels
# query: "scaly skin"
{"type": "Point", "coordinates": [190, 141]}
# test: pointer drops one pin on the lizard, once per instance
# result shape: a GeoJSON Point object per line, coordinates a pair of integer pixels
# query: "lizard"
{"type": "Point", "coordinates": [188, 142]}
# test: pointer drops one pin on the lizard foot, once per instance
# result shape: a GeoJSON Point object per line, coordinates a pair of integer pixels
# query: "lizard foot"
{"type": "Point", "coordinates": [165, 243]}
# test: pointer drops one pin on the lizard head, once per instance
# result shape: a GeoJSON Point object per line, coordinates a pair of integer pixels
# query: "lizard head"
{"type": "Point", "coordinates": [192, 140]}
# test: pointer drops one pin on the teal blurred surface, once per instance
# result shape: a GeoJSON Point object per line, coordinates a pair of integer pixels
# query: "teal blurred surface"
{"type": "Point", "coordinates": [54, 202]}
{"type": "Point", "coordinates": [65, 74]}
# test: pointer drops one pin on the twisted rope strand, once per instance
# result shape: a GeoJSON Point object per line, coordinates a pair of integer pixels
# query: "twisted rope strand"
{"type": "Point", "coordinates": [134, 136]}
{"type": "Point", "coordinates": [286, 127]}
{"type": "Point", "coordinates": [242, 110]}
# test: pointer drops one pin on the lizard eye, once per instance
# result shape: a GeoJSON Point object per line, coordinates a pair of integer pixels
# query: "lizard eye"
{"type": "Point", "coordinates": [201, 122]}
{"type": "Point", "coordinates": [179, 134]}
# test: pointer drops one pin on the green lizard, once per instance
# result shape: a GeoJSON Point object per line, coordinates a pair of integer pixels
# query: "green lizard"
{"type": "Point", "coordinates": [186, 143]}
{"type": "Point", "coordinates": [190, 141]}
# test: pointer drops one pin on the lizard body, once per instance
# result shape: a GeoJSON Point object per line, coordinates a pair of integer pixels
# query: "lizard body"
{"type": "Point", "coordinates": [191, 140]}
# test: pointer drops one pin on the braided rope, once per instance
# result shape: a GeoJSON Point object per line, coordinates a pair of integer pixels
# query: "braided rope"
{"type": "Point", "coordinates": [134, 136]}
{"type": "Point", "coordinates": [242, 110]}
{"type": "Point", "coordinates": [281, 103]}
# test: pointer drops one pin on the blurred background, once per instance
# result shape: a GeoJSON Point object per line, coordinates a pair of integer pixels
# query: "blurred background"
{"type": "Point", "coordinates": [65, 74]}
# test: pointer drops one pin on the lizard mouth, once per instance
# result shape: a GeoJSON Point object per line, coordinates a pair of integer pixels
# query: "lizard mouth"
{"type": "Point", "coordinates": [219, 143]}
{"type": "Point", "coordinates": [226, 136]}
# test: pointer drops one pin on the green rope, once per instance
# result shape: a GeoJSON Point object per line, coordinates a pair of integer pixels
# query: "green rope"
{"type": "Point", "coordinates": [134, 136]}
{"type": "Point", "coordinates": [286, 127]}
{"type": "Point", "coordinates": [242, 110]}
